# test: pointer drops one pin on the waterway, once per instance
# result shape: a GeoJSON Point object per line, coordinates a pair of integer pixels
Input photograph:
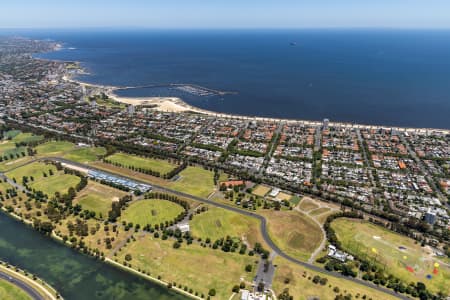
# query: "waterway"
{"type": "Point", "coordinates": [74, 275]}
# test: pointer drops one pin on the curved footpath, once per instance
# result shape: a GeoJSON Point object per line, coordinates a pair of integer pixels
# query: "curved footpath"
{"type": "Point", "coordinates": [263, 226]}
{"type": "Point", "coordinates": [22, 284]}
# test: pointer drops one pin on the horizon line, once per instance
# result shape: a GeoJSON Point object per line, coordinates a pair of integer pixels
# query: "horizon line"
{"type": "Point", "coordinates": [225, 28]}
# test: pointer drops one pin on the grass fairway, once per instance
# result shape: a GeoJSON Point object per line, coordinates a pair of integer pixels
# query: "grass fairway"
{"type": "Point", "coordinates": [302, 288]}
{"type": "Point", "coordinates": [128, 160]}
{"type": "Point", "coordinates": [98, 197]}
{"type": "Point", "coordinates": [11, 164]}
{"type": "Point", "coordinates": [10, 291]}
{"type": "Point", "coordinates": [35, 169]}
{"type": "Point", "coordinates": [383, 247]}
{"type": "Point", "coordinates": [8, 147]}
{"type": "Point", "coordinates": [56, 183]}
{"type": "Point", "coordinates": [194, 181]}
{"type": "Point", "coordinates": [294, 232]}
{"type": "Point", "coordinates": [261, 190]}
{"type": "Point", "coordinates": [86, 154]}
{"type": "Point", "coordinates": [217, 223]}
{"type": "Point", "coordinates": [54, 148]}
{"type": "Point", "coordinates": [151, 211]}
{"type": "Point", "coordinates": [59, 182]}
{"type": "Point", "coordinates": [191, 265]}
{"type": "Point", "coordinates": [26, 138]}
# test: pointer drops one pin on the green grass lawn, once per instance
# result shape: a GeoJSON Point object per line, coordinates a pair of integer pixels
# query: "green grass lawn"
{"type": "Point", "coordinates": [8, 147]}
{"type": "Point", "coordinates": [27, 138]}
{"type": "Point", "coordinates": [13, 163]}
{"type": "Point", "coordinates": [151, 211]}
{"type": "Point", "coordinates": [12, 292]}
{"type": "Point", "coordinates": [294, 232]}
{"type": "Point", "coordinates": [295, 200]}
{"type": "Point", "coordinates": [127, 160]}
{"type": "Point", "coordinates": [54, 148]}
{"type": "Point", "coordinates": [194, 181]}
{"type": "Point", "coordinates": [56, 183]}
{"type": "Point", "coordinates": [85, 155]}
{"type": "Point", "coordinates": [35, 169]}
{"type": "Point", "coordinates": [218, 223]}
{"type": "Point", "coordinates": [381, 246]}
{"type": "Point", "coordinates": [193, 266]}
{"type": "Point", "coordinates": [98, 197]}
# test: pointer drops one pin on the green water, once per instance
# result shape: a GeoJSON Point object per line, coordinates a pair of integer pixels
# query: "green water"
{"type": "Point", "coordinates": [74, 275]}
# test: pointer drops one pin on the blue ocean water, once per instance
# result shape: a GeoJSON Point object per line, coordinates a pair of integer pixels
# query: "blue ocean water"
{"type": "Point", "coordinates": [388, 77]}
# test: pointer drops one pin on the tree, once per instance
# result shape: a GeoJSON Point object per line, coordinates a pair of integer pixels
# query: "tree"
{"type": "Point", "coordinates": [212, 292]}
{"type": "Point", "coordinates": [128, 257]}
{"type": "Point", "coordinates": [248, 268]}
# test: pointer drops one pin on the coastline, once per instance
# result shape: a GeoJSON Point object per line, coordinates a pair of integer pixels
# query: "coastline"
{"type": "Point", "coordinates": [177, 105]}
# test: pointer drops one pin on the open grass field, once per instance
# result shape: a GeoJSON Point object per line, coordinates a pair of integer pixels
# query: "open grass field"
{"type": "Point", "coordinates": [323, 217]}
{"type": "Point", "coordinates": [151, 211]}
{"type": "Point", "coordinates": [308, 204]}
{"type": "Point", "coordinates": [194, 181]}
{"type": "Point", "coordinates": [294, 232]}
{"type": "Point", "coordinates": [85, 154]}
{"type": "Point", "coordinates": [26, 138]}
{"type": "Point", "coordinates": [319, 211]}
{"type": "Point", "coordinates": [11, 164]}
{"type": "Point", "coordinates": [98, 197]}
{"type": "Point", "coordinates": [56, 183]}
{"type": "Point", "coordinates": [59, 182]}
{"type": "Point", "coordinates": [295, 200]}
{"type": "Point", "coordinates": [302, 288]}
{"type": "Point", "coordinates": [127, 160]}
{"type": "Point", "coordinates": [10, 291]}
{"type": "Point", "coordinates": [261, 190]}
{"type": "Point", "coordinates": [393, 251]}
{"type": "Point", "coordinates": [191, 265]}
{"type": "Point", "coordinates": [9, 147]}
{"type": "Point", "coordinates": [218, 223]}
{"type": "Point", "coordinates": [35, 169]}
{"type": "Point", "coordinates": [284, 196]}
{"type": "Point", "coordinates": [54, 148]}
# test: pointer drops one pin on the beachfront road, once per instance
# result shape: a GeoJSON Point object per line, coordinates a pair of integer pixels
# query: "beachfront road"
{"type": "Point", "coordinates": [262, 220]}
{"type": "Point", "coordinates": [23, 285]}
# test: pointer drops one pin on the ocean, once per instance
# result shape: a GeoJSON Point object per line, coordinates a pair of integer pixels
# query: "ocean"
{"type": "Point", "coordinates": [380, 77]}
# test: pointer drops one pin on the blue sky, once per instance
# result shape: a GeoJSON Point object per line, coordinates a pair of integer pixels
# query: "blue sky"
{"type": "Point", "coordinates": [225, 13]}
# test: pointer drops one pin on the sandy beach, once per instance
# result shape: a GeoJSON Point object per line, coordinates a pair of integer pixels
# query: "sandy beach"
{"type": "Point", "coordinates": [177, 105]}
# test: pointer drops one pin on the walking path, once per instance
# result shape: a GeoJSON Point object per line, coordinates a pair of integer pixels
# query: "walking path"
{"type": "Point", "coordinates": [263, 228]}
{"type": "Point", "coordinates": [263, 225]}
